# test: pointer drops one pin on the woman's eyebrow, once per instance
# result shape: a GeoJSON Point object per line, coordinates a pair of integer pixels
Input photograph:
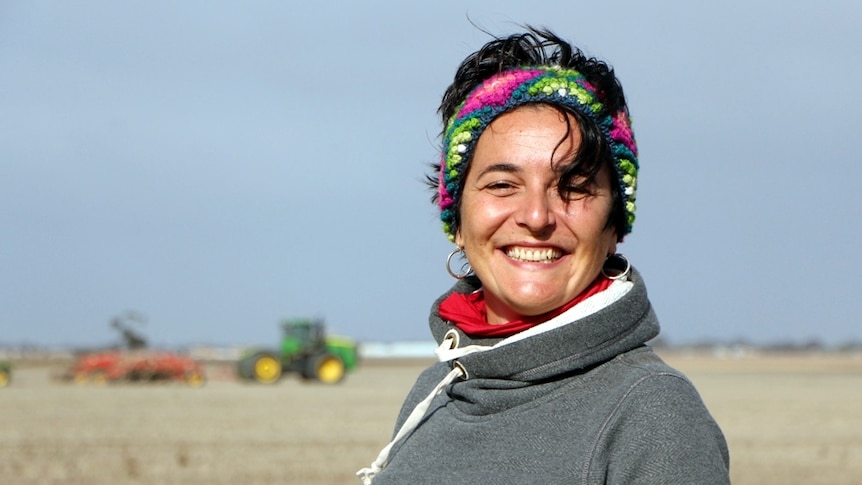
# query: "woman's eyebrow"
{"type": "Point", "coordinates": [500, 167]}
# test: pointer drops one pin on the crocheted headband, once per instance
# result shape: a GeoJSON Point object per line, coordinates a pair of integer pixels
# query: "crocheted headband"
{"type": "Point", "coordinates": [508, 90]}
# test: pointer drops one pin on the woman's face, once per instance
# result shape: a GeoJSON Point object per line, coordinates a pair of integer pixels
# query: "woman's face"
{"type": "Point", "coordinates": [532, 250]}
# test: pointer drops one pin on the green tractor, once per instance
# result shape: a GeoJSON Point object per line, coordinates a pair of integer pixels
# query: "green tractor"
{"type": "Point", "coordinates": [306, 350]}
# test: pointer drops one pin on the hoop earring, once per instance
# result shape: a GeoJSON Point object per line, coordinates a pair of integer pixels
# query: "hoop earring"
{"type": "Point", "coordinates": [617, 267]}
{"type": "Point", "coordinates": [466, 269]}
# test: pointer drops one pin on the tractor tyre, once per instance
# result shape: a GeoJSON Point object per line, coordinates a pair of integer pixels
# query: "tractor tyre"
{"type": "Point", "coordinates": [266, 368]}
{"type": "Point", "coordinates": [194, 378]}
{"type": "Point", "coordinates": [98, 378]}
{"type": "Point", "coordinates": [4, 378]}
{"type": "Point", "coordinates": [326, 368]}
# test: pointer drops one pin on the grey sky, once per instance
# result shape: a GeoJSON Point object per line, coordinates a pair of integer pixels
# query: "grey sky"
{"type": "Point", "coordinates": [219, 166]}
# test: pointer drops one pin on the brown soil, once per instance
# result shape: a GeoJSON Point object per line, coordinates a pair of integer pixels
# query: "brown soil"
{"type": "Point", "coordinates": [788, 419]}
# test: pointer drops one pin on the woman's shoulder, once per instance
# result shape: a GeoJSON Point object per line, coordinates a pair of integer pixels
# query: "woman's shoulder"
{"type": "Point", "coordinates": [662, 404]}
{"type": "Point", "coordinates": [643, 373]}
{"type": "Point", "coordinates": [651, 383]}
{"type": "Point", "coordinates": [426, 381]}
{"type": "Point", "coordinates": [431, 375]}
{"type": "Point", "coordinates": [645, 360]}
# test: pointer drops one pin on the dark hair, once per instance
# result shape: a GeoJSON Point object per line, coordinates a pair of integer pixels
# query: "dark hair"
{"type": "Point", "coordinates": [541, 47]}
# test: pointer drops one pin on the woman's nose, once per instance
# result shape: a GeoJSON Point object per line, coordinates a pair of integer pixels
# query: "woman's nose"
{"type": "Point", "coordinates": [535, 212]}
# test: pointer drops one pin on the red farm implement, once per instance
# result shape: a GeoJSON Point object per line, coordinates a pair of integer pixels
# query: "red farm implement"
{"type": "Point", "coordinates": [135, 366]}
{"type": "Point", "coordinates": [133, 362]}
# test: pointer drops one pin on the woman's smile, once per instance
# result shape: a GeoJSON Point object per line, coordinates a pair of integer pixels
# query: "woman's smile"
{"type": "Point", "coordinates": [533, 255]}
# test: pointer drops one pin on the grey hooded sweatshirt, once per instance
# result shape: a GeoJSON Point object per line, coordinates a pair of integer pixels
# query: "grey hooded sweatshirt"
{"type": "Point", "coordinates": [586, 402]}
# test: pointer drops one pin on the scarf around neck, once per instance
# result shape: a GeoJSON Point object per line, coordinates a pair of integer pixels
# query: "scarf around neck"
{"type": "Point", "coordinates": [468, 312]}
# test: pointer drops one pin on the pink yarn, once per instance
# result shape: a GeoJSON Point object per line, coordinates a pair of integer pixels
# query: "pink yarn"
{"type": "Point", "coordinates": [497, 90]}
{"type": "Point", "coordinates": [622, 131]}
{"type": "Point", "coordinates": [446, 202]}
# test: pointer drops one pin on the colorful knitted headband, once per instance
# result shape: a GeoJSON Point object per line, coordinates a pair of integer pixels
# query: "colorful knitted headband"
{"type": "Point", "coordinates": [508, 90]}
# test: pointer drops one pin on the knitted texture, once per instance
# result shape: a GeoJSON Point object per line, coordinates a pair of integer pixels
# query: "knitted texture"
{"type": "Point", "coordinates": [511, 89]}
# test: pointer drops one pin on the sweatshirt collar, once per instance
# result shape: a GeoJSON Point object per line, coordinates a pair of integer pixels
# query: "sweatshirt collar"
{"type": "Point", "coordinates": [577, 342]}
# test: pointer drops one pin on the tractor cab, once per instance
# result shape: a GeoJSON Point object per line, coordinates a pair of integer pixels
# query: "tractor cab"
{"type": "Point", "coordinates": [302, 336]}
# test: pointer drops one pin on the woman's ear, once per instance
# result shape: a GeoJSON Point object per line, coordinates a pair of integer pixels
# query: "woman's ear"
{"type": "Point", "coordinates": [612, 242]}
{"type": "Point", "coordinates": [459, 241]}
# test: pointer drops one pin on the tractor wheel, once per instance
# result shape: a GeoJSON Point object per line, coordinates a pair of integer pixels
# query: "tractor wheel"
{"type": "Point", "coordinates": [4, 378]}
{"type": "Point", "coordinates": [83, 378]}
{"type": "Point", "coordinates": [326, 368]}
{"type": "Point", "coordinates": [266, 368]}
{"type": "Point", "coordinates": [195, 379]}
{"type": "Point", "coordinates": [99, 378]}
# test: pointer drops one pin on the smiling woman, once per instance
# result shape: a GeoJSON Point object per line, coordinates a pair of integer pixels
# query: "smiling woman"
{"type": "Point", "coordinates": [545, 375]}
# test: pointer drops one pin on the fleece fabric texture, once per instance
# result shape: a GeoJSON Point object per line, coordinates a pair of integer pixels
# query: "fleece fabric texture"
{"type": "Point", "coordinates": [586, 403]}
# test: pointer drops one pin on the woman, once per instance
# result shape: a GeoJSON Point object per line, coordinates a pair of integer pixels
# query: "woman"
{"type": "Point", "coordinates": [544, 373]}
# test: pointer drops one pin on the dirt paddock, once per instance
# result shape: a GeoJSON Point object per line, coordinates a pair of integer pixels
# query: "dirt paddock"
{"type": "Point", "coordinates": [788, 420]}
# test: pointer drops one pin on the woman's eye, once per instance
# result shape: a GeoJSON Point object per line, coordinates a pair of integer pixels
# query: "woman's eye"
{"type": "Point", "coordinates": [574, 192]}
{"type": "Point", "coordinates": [500, 185]}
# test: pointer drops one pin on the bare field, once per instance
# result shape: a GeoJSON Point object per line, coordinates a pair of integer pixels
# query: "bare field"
{"type": "Point", "coordinates": [788, 419]}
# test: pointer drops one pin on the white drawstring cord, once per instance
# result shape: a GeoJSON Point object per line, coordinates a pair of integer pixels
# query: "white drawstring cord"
{"type": "Point", "coordinates": [367, 474]}
{"type": "Point", "coordinates": [446, 351]}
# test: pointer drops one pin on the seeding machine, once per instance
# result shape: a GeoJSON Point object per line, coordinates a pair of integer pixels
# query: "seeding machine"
{"type": "Point", "coordinates": [135, 366]}
{"type": "Point", "coordinates": [133, 362]}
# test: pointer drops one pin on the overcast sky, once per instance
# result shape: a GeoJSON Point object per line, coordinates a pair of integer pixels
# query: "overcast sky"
{"type": "Point", "coordinates": [218, 166]}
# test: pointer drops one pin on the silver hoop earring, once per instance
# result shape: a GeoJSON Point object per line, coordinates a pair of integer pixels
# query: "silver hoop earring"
{"type": "Point", "coordinates": [466, 269]}
{"type": "Point", "coordinates": [617, 267]}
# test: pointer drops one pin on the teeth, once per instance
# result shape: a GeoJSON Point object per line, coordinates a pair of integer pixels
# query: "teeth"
{"type": "Point", "coordinates": [534, 255]}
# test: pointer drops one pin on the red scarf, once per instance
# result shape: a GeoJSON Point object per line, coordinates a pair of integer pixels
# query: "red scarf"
{"type": "Point", "coordinates": [468, 312]}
